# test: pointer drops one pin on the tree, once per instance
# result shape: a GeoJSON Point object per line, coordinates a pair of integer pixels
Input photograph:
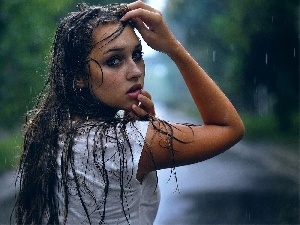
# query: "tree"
{"type": "Point", "coordinates": [191, 23]}
{"type": "Point", "coordinates": [255, 42]}
{"type": "Point", "coordinates": [27, 29]}
{"type": "Point", "coordinates": [25, 39]}
{"type": "Point", "coordinates": [266, 34]}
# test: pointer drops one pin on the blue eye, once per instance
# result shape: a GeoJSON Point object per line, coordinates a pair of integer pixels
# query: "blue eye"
{"type": "Point", "coordinates": [137, 56]}
{"type": "Point", "coordinates": [113, 61]}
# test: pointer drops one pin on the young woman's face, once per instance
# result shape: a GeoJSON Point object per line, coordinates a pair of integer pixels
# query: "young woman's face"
{"type": "Point", "coordinates": [116, 68]}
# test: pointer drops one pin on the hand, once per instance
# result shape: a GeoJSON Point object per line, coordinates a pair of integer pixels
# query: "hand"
{"type": "Point", "coordinates": [146, 106]}
{"type": "Point", "coordinates": [151, 25]}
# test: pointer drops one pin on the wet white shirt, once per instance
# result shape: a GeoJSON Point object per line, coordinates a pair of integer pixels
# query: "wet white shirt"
{"type": "Point", "coordinates": [139, 203]}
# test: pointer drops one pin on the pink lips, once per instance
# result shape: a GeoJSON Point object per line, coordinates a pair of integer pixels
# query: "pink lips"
{"type": "Point", "coordinates": [134, 91]}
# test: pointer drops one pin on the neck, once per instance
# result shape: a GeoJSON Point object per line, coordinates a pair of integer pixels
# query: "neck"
{"type": "Point", "coordinates": [87, 106]}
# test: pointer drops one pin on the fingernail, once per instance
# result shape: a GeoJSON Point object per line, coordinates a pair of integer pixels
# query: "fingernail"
{"type": "Point", "coordinates": [140, 96]}
{"type": "Point", "coordinates": [134, 106]}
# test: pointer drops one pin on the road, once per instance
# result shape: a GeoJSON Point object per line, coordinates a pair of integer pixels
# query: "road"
{"type": "Point", "coordinates": [252, 183]}
{"type": "Point", "coordinates": [248, 184]}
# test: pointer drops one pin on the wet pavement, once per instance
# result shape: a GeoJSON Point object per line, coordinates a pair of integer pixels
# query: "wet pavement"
{"type": "Point", "coordinates": [248, 184]}
{"type": "Point", "coordinates": [7, 196]}
{"type": "Point", "coordinates": [252, 183]}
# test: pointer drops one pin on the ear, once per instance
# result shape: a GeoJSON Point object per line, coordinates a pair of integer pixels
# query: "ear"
{"type": "Point", "coordinates": [80, 82]}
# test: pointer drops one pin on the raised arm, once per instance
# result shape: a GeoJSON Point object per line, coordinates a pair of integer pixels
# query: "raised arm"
{"type": "Point", "coordinates": [222, 125]}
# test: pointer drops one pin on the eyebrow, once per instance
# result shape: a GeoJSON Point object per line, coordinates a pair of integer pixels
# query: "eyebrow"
{"type": "Point", "coordinates": [117, 49]}
{"type": "Point", "coordinates": [113, 50]}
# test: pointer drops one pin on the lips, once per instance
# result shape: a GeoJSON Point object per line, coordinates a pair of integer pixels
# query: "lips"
{"type": "Point", "coordinates": [134, 91]}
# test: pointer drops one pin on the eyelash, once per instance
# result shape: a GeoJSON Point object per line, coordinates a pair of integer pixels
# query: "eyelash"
{"type": "Point", "coordinates": [111, 61]}
{"type": "Point", "coordinates": [136, 56]}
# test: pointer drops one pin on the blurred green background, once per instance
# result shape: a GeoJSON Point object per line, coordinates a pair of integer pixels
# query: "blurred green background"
{"type": "Point", "coordinates": [249, 47]}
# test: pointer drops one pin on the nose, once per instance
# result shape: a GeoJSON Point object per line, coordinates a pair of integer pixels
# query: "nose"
{"type": "Point", "coordinates": [135, 69]}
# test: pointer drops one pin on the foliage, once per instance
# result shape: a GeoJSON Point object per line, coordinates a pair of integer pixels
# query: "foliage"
{"type": "Point", "coordinates": [255, 43]}
{"type": "Point", "coordinates": [191, 21]}
{"type": "Point", "coordinates": [267, 36]}
{"type": "Point", "coordinates": [26, 32]}
{"type": "Point", "coordinates": [267, 128]}
{"type": "Point", "coordinates": [9, 151]}
{"type": "Point", "coordinates": [24, 43]}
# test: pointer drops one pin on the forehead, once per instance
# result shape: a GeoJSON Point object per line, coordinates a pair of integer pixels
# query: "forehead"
{"type": "Point", "coordinates": [103, 35]}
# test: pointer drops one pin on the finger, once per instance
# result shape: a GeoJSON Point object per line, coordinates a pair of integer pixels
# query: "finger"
{"type": "Point", "coordinates": [140, 4]}
{"type": "Point", "coordinates": [146, 93]}
{"type": "Point", "coordinates": [140, 26]}
{"type": "Point", "coordinates": [138, 111]}
{"type": "Point", "coordinates": [148, 17]}
{"type": "Point", "coordinates": [146, 104]}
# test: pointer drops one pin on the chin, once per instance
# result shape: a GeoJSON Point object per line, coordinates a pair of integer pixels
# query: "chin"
{"type": "Point", "coordinates": [129, 107]}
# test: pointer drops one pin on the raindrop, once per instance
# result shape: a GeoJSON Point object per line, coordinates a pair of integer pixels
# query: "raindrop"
{"type": "Point", "coordinates": [272, 19]}
{"type": "Point", "coordinates": [214, 56]}
{"type": "Point", "coordinates": [294, 52]}
{"type": "Point", "coordinates": [30, 89]}
{"type": "Point", "coordinates": [266, 58]}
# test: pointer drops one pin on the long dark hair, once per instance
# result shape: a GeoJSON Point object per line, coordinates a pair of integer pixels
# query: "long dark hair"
{"type": "Point", "coordinates": [50, 119]}
{"type": "Point", "coordinates": [59, 100]}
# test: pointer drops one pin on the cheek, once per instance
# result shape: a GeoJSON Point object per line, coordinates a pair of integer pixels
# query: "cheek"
{"type": "Point", "coordinates": [96, 77]}
{"type": "Point", "coordinates": [110, 84]}
{"type": "Point", "coordinates": [107, 84]}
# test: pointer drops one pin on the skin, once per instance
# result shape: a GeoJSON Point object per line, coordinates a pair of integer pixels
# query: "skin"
{"type": "Point", "coordinates": [222, 125]}
{"type": "Point", "coordinates": [123, 68]}
{"type": "Point", "coordinates": [116, 68]}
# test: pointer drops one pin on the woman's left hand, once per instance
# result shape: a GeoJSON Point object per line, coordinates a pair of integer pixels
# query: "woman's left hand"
{"type": "Point", "coordinates": [145, 107]}
{"type": "Point", "coordinates": [152, 26]}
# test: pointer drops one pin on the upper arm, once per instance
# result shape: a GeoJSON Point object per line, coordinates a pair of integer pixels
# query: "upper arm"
{"type": "Point", "coordinates": [167, 146]}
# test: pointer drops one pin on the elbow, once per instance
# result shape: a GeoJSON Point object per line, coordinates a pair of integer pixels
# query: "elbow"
{"type": "Point", "coordinates": [240, 130]}
{"type": "Point", "coordinates": [235, 134]}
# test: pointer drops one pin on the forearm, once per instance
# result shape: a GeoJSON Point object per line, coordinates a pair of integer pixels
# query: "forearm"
{"type": "Point", "coordinates": [211, 102]}
{"type": "Point", "coordinates": [213, 105]}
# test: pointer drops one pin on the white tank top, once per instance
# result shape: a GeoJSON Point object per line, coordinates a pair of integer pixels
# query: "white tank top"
{"type": "Point", "coordinates": [139, 203]}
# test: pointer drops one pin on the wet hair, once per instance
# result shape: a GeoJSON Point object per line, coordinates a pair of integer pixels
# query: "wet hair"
{"type": "Point", "coordinates": [50, 119]}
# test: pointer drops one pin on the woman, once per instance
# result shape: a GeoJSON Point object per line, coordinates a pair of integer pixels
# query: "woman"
{"type": "Point", "coordinates": [85, 162]}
